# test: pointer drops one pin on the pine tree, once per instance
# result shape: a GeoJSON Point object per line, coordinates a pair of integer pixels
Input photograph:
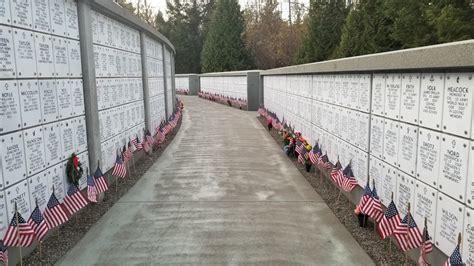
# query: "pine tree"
{"type": "Point", "coordinates": [452, 20]}
{"type": "Point", "coordinates": [224, 48]}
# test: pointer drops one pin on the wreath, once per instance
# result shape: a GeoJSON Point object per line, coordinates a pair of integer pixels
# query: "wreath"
{"type": "Point", "coordinates": [74, 170]}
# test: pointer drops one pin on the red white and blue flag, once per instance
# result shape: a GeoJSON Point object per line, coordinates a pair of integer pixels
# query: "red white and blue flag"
{"type": "Point", "coordinates": [365, 197]}
{"type": "Point", "coordinates": [19, 234]}
{"type": "Point", "coordinates": [3, 253]}
{"type": "Point", "coordinates": [314, 154]}
{"type": "Point", "coordinates": [100, 182]}
{"type": "Point", "coordinates": [407, 234]}
{"type": "Point", "coordinates": [91, 190]}
{"type": "Point", "coordinates": [38, 223]}
{"type": "Point", "coordinates": [137, 143]}
{"type": "Point", "coordinates": [336, 173]}
{"type": "Point", "coordinates": [54, 213]}
{"type": "Point", "coordinates": [74, 200]}
{"type": "Point", "coordinates": [455, 259]}
{"type": "Point", "coordinates": [324, 163]}
{"type": "Point", "coordinates": [119, 168]}
{"type": "Point", "coordinates": [348, 181]}
{"type": "Point", "coordinates": [373, 206]}
{"type": "Point", "coordinates": [390, 221]}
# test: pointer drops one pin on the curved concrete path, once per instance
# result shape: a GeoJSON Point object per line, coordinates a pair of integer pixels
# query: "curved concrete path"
{"type": "Point", "coordinates": [222, 193]}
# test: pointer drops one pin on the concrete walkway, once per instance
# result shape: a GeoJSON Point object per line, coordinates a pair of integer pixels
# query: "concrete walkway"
{"type": "Point", "coordinates": [222, 193]}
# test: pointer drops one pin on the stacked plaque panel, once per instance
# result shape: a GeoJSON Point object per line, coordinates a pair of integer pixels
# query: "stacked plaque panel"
{"type": "Point", "coordinates": [228, 86]}
{"type": "Point", "coordinates": [411, 132]}
{"type": "Point", "coordinates": [182, 84]}
{"type": "Point", "coordinates": [156, 85]}
{"type": "Point", "coordinates": [170, 101]}
{"type": "Point", "coordinates": [42, 118]}
{"type": "Point", "coordinates": [118, 70]}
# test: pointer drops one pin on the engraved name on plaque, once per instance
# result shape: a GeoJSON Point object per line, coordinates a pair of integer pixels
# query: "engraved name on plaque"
{"type": "Point", "coordinates": [39, 192]}
{"type": "Point", "coordinates": [52, 143]}
{"type": "Point", "coordinates": [389, 184]}
{"type": "Point", "coordinates": [74, 50]}
{"type": "Point", "coordinates": [72, 26]}
{"type": "Point", "coordinates": [431, 100]}
{"type": "Point", "coordinates": [453, 167]}
{"type": "Point", "coordinates": [10, 114]}
{"type": "Point", "coordinates": [470, 181]}
{"type": "Point", "coordinates": [61, 65]}
{"type": "Point", "coordinates": [29, 102]}
{"type": "Point", "coordinates": [49, 100]}
{"type": "Point", "coordinates": [12, 157]}
{"type": "Point", "coordinates": [468, 237]}
{"type": "Point", "coordinates": [458, 100]}
{"type": "Point", "coordinates": [3, 213]}
{"type": "Point", "coordinates": [410, 94]}
{"type": "Point", "coordinates": [7, 54]}
{"type": "Point", "coordinates": [34, 150]}
{"type": "Point", "coordinates": [391, 139]}
{"type": "Point", "coordinates": [80, 134]}
{"type": "Point", "coordinates": [58, 21]}
{"type": "Point", "coordinates": [425, 206]}
{"type": "Point", "coordinates": [18, 194]}
{"type": "Point", "coordinates": [44, 55]}
{"type": "Point", "coordinates": [407, 148]}
{"type": "Point", "coordinates": [78, 96]}
{"type": "Point", "coordinates": [41, 20]}
{"type": "Point", "coordinates": [67, 138]}
{"type": "Point", "coordinates": [22, 13]}
{"type": "Point", "coordinates": [392, 96]}
{"type": "Point", "coordinates": [64, 98]}
{"type": "Point", "coordinates": [428, 156]}
{"type": "Point", "coordinates": [449, 223]}
{"type": "Point", "coordinates": [405, 192]}
{"type": "Point", "coordinates": [5, 15]}
{"type": "Point", "coordinates": [56, 178]}
{"type": "Point", "coordinates": [25, 55]}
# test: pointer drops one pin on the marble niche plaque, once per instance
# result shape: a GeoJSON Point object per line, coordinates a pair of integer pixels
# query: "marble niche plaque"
{"type": "Point", "coordinates": [468, 237]}
{"type": "Point", "coordinates": [64, 98]}
{"type": "Point", "coordinates": [22, 13]}
{"type": "Point", "coordinates": [428, 156]}
{"type": "Point", "coordinates": [34, 150]}
{"type": "Point", "coordinates": [458, 100]}
{"type": "Point", "coordinates": [431, 100]}
{"type": "Point", "coordinates": [10, 114]}
{"type": "Point", "coordinates": [52, 143]}
{"type": "Point", "coordinates": [410, 98]}
{"type": "Point", "coordinates": [12, 158]}
{"type": "Point", "coordinates": [407, 148]}
{"type": "Point", "coordinates": [58, 19]}
{"type": "Point", "coordinates": [61, 65]}
{"type": "Point", "coordinates": [449, 223]}
{"type": "Point", "coordinates": [3, 214]}
{"type": "Point", "coordinates": [5, 17]}
{"type": "Point", "coordinates": [392, 95]}
{"type": "Point", "coordinates": [376, 172]}
{"type": "Point", "coordinates": [363, 131]}
{"type": "Point", "coordinates": [77, 96]}
{"type": "Point", "coordinates": [453, 166]}
{"type": "Point", "coordinates": [67, 138]}
{"type": "Point", "coordinates": [49, 100]}
{"type": "Point", "coordinates": [405, 193]}
{"type": "Point", "coordinates": [25, 55]}
{"type": "Point", "coordinates": [41, 20]}
{"type": "Point", "coordinates": [29, 102]}
{"type": "Point", "coordinates": [72, 25]}
{"type": "Point", "coordinates": [364, 93]}
{"type": "Point", "coordinates": [74, 50]}
{"type": "Point", "coordinates": [391, 140]}
{"type": "Point", "coordinates": [426, 198]}
{"type": "Point", "coordinates": [57, 180]}
{"type": "Point", "coordinates": [39, 192]}
{"type": "Point", "coordinates": [18, 194]}
{"type": "Point", "coordinates": [470, 181]}
{"type": "Point", "coordinates": [389, 184]}
{"type": "Point", "coordinates": [7, 53]}
{"type": "Point", "coordinates": [84, 159]}
{"type": "Point", "coordinates": [80, 134]}
{"type": "Point", "coordinates": [44, 55]}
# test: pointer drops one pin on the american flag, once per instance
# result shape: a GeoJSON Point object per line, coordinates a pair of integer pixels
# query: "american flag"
{"type": "Point", "coordinates": [160, 136]}
{"type": "Point", "coordinates": [314, 154]}
{"type": "Point", "coordinates": [54, 213]}
{"type": "Point", "coordinates": [138, 144]}
{"type": "Point", "coordinates": [299, 147]}
{"type": "Point", "coordinates": [131, 146]}
{"type": "Point", "coordinates": [19, 235]}
{"type": "Point", "coordinates": [348, 182]}
{"type": "Point", "coordinates": [119, 168]}
{"type": "Point", "coordinates": [91, 190]}
{"type": "Point", "coordinates": [167, 128]}
{"type": "Point", "coordinates": [126, 154]}
{"type": "Point", "coordinates": [74, 200]}
{"type": "Point", "coordinates": [38, 224]}
{"type": "Point", "coordinates": [336, 173]}
{"type": "Point", "coordinates": [3, 253]}
{"type": "Point", "coordinates": [365, 197]}
{"type": "Point", "coordinates": [373, 206]}
{"type": "Point", "coordinates": [302, 156]}
{"type": "Point", "coordinates": [150, 139]}
{"type": "Point", "coordinates": [324, 163]}
{"type": "Point", "coordinates": [100, 182]}
{"type": "Point", "coordinates": [427, 243]}
{"type": "Point", "coordinates": [390, 221]}
{"type": "Point", "coordinates": [455, 258]}
{"type": "Point", "coordinates": [407, 234]}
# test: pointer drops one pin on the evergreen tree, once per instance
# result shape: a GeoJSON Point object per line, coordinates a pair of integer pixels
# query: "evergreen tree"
{"type": "Point", "coordinates": [224, 48]}
{"type": "Point", "coordinates": [453, 20]}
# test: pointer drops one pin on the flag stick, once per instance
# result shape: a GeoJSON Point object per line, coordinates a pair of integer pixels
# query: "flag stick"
{"type": "Point", "coordinates": [18, 232]}
{"type": "Point", "coordinates": [116, 183]}
{"type": "Point", "coordinates": [408, 231]}
{"type": "Point", "coordinates": [389, 240]}
{"type": "Point", "coordinates": [40, 249]}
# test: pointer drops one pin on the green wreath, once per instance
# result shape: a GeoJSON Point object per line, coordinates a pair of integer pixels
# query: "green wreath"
{"type": "Point", "coordinates": [74, 170]}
